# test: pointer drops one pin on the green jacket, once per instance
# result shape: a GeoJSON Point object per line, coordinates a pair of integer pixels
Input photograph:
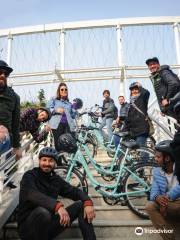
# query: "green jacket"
{"type": "Point", "coordinates": [10, 114]}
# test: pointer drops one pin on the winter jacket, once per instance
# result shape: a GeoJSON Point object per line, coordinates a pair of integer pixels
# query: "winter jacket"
{"type": "Point", "coordinates": [159, 186]}
{"type": "Point", "coordinates": [108, 108]}
{"type": "Point", "coordinates": [124, 110]}
{"type": "Point", "coordinates": [166, 84]}
{"type": "Point", "coordinates": [29, 122]}
{"type": "Point", "coordinates": [39, 189]}
{"type": "Point", "coordinates": [10, 114]}
{"type": "Point", "coordinates": [136, 122]}
{"type": "Point", "coordinates": [56, 117]}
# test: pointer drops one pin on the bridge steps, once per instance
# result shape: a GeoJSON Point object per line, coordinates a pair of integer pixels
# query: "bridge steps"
{"type": "Point", "coordinates": [111, 223]}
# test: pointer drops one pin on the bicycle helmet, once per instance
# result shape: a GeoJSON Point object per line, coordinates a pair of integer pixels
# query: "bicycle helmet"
{"type": "Point", "coordinates": [47, 111]}
{"type": "Point", "coordinates": [67, 143]}
{"type": "Point", "coordinates": [165, 147]}
{"type": "Point", "coordinates": [49, 152]}
{"type": "Point", "coordinates": [78, 103]}
{"type": "Point", "coordinates": [133, 85]}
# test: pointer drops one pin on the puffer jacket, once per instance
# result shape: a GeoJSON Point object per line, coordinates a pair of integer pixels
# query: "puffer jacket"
{"type": "Point", "coordinates": [159, 186]}
{"type": "Point", "coordinates": [108, 108]}
{"type": "Point", "coordinates": [124, 110]}
{"type": "Point", "coordinates": [166, 83]}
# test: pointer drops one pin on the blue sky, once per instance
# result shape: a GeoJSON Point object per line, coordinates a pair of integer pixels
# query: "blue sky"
{"type": "Point", "coordinates": [32, 12]}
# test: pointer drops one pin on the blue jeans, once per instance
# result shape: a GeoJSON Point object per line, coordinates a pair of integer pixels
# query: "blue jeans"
{"type": "Point", "coordinates": [116, 140]}
{"type": "Point", "coordinates": [108, 123]}
{"type": "Point", "coordinates": [141, 141]}
{"type": "Point", "coordinates": [5, 146]}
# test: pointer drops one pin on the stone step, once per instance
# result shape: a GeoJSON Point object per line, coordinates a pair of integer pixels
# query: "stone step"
{"type": "Point", "coordinates": [105, 211]}
{"type": "Point", "coordinates": [104, 229]}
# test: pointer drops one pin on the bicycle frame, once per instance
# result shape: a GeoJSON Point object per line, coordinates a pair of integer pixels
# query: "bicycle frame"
{"type": "Point", "coordinates": [78, 157]}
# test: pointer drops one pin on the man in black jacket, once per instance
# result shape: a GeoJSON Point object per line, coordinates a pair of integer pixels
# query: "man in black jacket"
{"type": "Point", "coordinates": [166, 85]}
{"type": "Point", "coordinates": [9, 110]}
{"type": "Point", "coordinates": [41, 215]}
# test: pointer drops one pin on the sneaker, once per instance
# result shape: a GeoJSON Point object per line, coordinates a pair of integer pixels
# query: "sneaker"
{"type": "Point", "coordinates": [11, 185]}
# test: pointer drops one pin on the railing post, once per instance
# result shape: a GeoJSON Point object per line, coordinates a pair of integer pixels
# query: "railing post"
{"type": "Point", "coordinates": [177, 43]}
{"type": "Point", "coordinates": [120, 58]}
{"type": "Point", "coordinates": [62, 50]}
{"type": "Point", "coordinates": [1, 184]}
{"type": "Point", "coordinates": [9, 49]}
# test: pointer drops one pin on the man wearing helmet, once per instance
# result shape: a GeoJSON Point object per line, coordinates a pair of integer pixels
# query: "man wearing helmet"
{"type": "Point", "coordinates": [164, 208]}
{"type": "Point", "coordinates": [41, 215]}
{"type": "Point", "coordinates": [31, 120]}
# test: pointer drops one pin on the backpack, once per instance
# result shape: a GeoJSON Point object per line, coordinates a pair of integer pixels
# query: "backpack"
{"type": "Point", "coordinates": [115, 112]}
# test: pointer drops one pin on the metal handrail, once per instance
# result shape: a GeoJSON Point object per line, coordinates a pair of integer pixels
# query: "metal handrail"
{"type": "Point", "coordinates": [9, 160]}
{"type": "Point", "coordinates": [161, 126]}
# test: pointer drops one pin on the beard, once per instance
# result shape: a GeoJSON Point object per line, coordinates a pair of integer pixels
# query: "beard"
{"type": "Point", "coordinates": [3, 86]}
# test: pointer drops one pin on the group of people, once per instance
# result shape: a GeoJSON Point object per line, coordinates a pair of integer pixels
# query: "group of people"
{"type": "Point", "coordinates": [40, 187]}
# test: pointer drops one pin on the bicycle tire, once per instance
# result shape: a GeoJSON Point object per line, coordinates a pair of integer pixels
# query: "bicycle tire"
{"type": "Point", "coordinates": [77, 178]}
{"type": "Point", "coordinates": [137, 156]}
{"type": "Point", "coordinates": [137, 203]}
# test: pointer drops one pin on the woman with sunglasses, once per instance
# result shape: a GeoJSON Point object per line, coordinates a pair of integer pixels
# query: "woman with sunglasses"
{"type": "Point", "coordinates": [63, 114]}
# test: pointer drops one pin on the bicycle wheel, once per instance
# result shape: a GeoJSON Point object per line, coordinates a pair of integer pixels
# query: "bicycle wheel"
{"type": "Point", "coordinates": [142, 154]}
{"type": "Point", "coordinates": [137, 201]}
{"type": "Point", "coordinates": [77, 179]}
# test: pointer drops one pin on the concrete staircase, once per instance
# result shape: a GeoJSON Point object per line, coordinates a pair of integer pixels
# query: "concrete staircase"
{"type": "Point", "coordinates": [111, 223]}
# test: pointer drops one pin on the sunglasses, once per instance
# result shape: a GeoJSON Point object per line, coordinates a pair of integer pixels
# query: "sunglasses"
{"type": "Point", "coordinates": [63, 90]}
{"type": "Point", "coordinates": [6, 74]}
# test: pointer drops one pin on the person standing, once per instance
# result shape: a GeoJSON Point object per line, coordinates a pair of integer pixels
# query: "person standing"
{"type": "Point", "coordinates": [121, 119]}
{"type": "Point", "coordinates": [107, 114]}
{"type": "Point", "coordinates": [166, 85]}
{"type": "Point", "coordinates": [137, 115]}
{"type": "Point", "coordinates": [62, 113]}
{"type": "Point", "coordinates": [9, 111]}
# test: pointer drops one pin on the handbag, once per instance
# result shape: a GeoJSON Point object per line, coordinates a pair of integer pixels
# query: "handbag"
{"type": "Point", "coordinates": [147, 118]}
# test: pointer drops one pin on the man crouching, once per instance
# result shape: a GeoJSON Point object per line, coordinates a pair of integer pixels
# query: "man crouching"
{"type": "Point", "coordinates": [41, 215]}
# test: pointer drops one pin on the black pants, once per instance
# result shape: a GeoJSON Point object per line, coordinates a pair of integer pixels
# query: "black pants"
{"type": "Point", "coordinates": [41, 224]}
{"type": "Point", "coordinates": [62, 128]}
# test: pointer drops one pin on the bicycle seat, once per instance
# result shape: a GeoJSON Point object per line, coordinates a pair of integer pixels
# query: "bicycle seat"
{"type": "Point", "coordinates": [122, 134]}
{"type": "Point", "coordinates": [130, 144]}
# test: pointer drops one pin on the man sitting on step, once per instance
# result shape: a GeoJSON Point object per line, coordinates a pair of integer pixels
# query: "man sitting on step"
{"type": "Point", "coordinates": [41, 215]}
{"type": "Point", "coordinates": [164, 208]}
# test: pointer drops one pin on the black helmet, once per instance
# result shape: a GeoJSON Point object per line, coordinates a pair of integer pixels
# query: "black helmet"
{"type": "Point", "coordinates": [78, 103]}
{"type": "Point", "coordinates": [4, 66]}
{"type": "Point", "coordinates": [67, 143]}
{"type": "Point", "coordinates": [133, 85]}
{"type": "Point", "coordinates": [49, 152]}
{"type": "Point", "coordinates": [165, 147]}
{"type": "Point", "coordinates": [47, 111]}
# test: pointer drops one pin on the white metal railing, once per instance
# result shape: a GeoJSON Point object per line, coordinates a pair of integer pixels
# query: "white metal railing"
{"type": "Point", "coordinates": [10, 169]}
